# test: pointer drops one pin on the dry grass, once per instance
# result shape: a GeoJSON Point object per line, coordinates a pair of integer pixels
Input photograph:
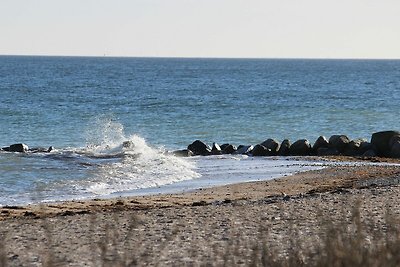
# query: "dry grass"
{"type": "Point", "coordinates": [351, 240]}
{"type": "Point", "coordinates": [347, 242]}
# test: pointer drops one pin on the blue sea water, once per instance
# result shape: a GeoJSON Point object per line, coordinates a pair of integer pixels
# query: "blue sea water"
{"type": "Point", "coordinates": [86, 107]}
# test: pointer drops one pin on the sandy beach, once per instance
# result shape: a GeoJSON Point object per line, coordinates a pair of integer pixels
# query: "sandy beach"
{"type": "Point", "coordinates": [225, 225]}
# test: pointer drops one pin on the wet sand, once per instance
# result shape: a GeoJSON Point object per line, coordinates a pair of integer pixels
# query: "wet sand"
{"type": "Point", "coordinates": [196, 228]}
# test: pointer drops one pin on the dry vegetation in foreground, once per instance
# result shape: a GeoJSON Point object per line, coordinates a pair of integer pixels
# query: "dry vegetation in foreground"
{"type": "Point", "coordinates": [347, 241]}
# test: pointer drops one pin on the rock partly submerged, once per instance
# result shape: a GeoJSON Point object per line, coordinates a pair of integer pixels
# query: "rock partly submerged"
{"type": "Point", "coordinates": [23, 148]}
{"type": "Point", "coordinates": [383, 144]}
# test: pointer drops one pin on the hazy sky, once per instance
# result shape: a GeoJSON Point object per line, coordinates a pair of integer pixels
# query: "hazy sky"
{"type": "Point", "coordinates": [202, 28]}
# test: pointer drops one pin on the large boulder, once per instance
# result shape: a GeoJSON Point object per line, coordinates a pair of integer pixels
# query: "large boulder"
{"type": "Point", "coordinates": [339, 142]}
{"type": "Point", "coordinates": [321, 142]}
{"type": "Point", "coordinates": [381, 142]}
{"type": "Point", "coordinates": [356, 147]}
{"type": "Point", "coordinates": [260, 150]}
{"type": "Point", "coordinates": [199, 148]}
{"type": "Point", "coordinates": [301, 147]}
{"type": "Point", "coordinates": [272, 145]}
{"type": "Point", "coordinates": [22, 148]}
{"type": "Point", "coordinates": [242, 149]}
{"type": "Point", "coordinates": [284, 149]}
{"type": "Point", "coordinates": [216, 149]}
{"type": "Point", "coordinates": [395, 146]}
{"type": "Point", "coordinates": [229, 149]}
{"type": "Point", "coordinates": [395, 150]}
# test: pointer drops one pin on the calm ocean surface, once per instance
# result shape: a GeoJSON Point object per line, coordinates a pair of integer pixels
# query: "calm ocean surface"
{"type": "Point", "coordinates": [86, 108]}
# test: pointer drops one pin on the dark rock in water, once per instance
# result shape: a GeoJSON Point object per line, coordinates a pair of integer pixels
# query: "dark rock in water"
{"type": "Point", "coordinates": [223, 146]}
{"type": "Point", "coordinates": [272, 145]}
{"type": "Point", "coordinates": [381, 142]}
{"type": "Point", "coordinates": [301, 147]}
{"type": "Point", "coordinates": [41, 149]}
{"type": "Point", "coordinates": [216, 149]}
{"type": "Point", "coordinates": [128, 144]}
{"type": "Point", "coordinates": [260, 150]}
{"type": "Point", "coordinates": [321, 142]}
{"type": "Point", "coordinates": [230, 149]}
{"type": "Point", "coordinates": [339, 142]}
{"type": "Point", "coordinates": [284, 149]}
{"type": "Point", "coordinates": [244, 149]}
{"type": "Point", "coordinates": [327, 151]}
{"type": "Point", "coordinates": [183, 153]}
{"type": "Point", "coordinates": [22, 148]}
{"type": "Point", "coordinates": [199, 148]}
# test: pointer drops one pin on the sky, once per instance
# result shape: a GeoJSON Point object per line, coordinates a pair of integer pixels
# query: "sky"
{"type": "Point", "coordinates": [202, 28]}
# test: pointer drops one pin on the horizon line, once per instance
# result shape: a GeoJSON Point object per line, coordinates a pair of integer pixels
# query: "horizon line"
{"type": "Point", "coordinates": [197, 57]}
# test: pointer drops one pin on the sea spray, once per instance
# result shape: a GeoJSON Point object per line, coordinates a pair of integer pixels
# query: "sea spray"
{"type": "Point", "coordinates": [135, 164]}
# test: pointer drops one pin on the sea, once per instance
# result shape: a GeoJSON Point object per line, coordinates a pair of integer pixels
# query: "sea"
{"type": "Point", "coordinates": [88, 107]}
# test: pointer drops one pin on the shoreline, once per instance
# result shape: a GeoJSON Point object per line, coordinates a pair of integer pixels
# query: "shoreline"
{"type": "Point", "coordinates": [212, 226]}
{"type": "Point", "coordinates": [300, 183]}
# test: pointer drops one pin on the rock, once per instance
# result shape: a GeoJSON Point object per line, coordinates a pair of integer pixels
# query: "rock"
{"type": "Point", "coordinates": [284, 149]}
{"type": "Point", "coordinates": [223, 146]}
{"type": "Point", "coordinates": [369, 153]}
{"type": "Point", "coordinates": [300, 148]}
{"type": "Point", "coordinates": [183, 153]}
{"type": "Point", "coordinates": [395, 150]}
{"type": "Point", "coordinates": [381, 142]}
{"type": "Point", "coordinates": [230, 149]}
{"type": "Point", "coordinates": [199, 148]}
{"type": "Point", "coordinates": [365, 146]}
{"type": "Point", "coordinates": [327, 151]}
{"type": "Point", "coordinates": [394, 139]}
{"type": "Point", "coordinates": [216, 149]}
{"type": "Point", "coordinates": [22, 148]}
{"type": "Point", "coordinates": [339, 142]}
{"type": "Point", "coordinates": [41, 149]}
{"type": "Point", "coordinates": [260, 150]}
{"type": "Point", "coordinates": [244, 149]}
{"type": "Point", "coordinates": [394, 144]}
{"type": "Point", "coordinates": [354, 147]}
{"type": "Point", "coordinates": [272, 145]}
{"type": "Point", "coordinates": [319, 143]}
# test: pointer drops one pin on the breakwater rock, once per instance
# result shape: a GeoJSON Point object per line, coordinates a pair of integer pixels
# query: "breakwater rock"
{"type": "Point", "coordinates": [382, 144]}
{"type": "Point", "coordinates": [23, 148]}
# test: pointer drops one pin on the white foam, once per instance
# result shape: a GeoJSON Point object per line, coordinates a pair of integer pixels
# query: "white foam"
{"type": "Point", "coordinates": [137, 166]}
